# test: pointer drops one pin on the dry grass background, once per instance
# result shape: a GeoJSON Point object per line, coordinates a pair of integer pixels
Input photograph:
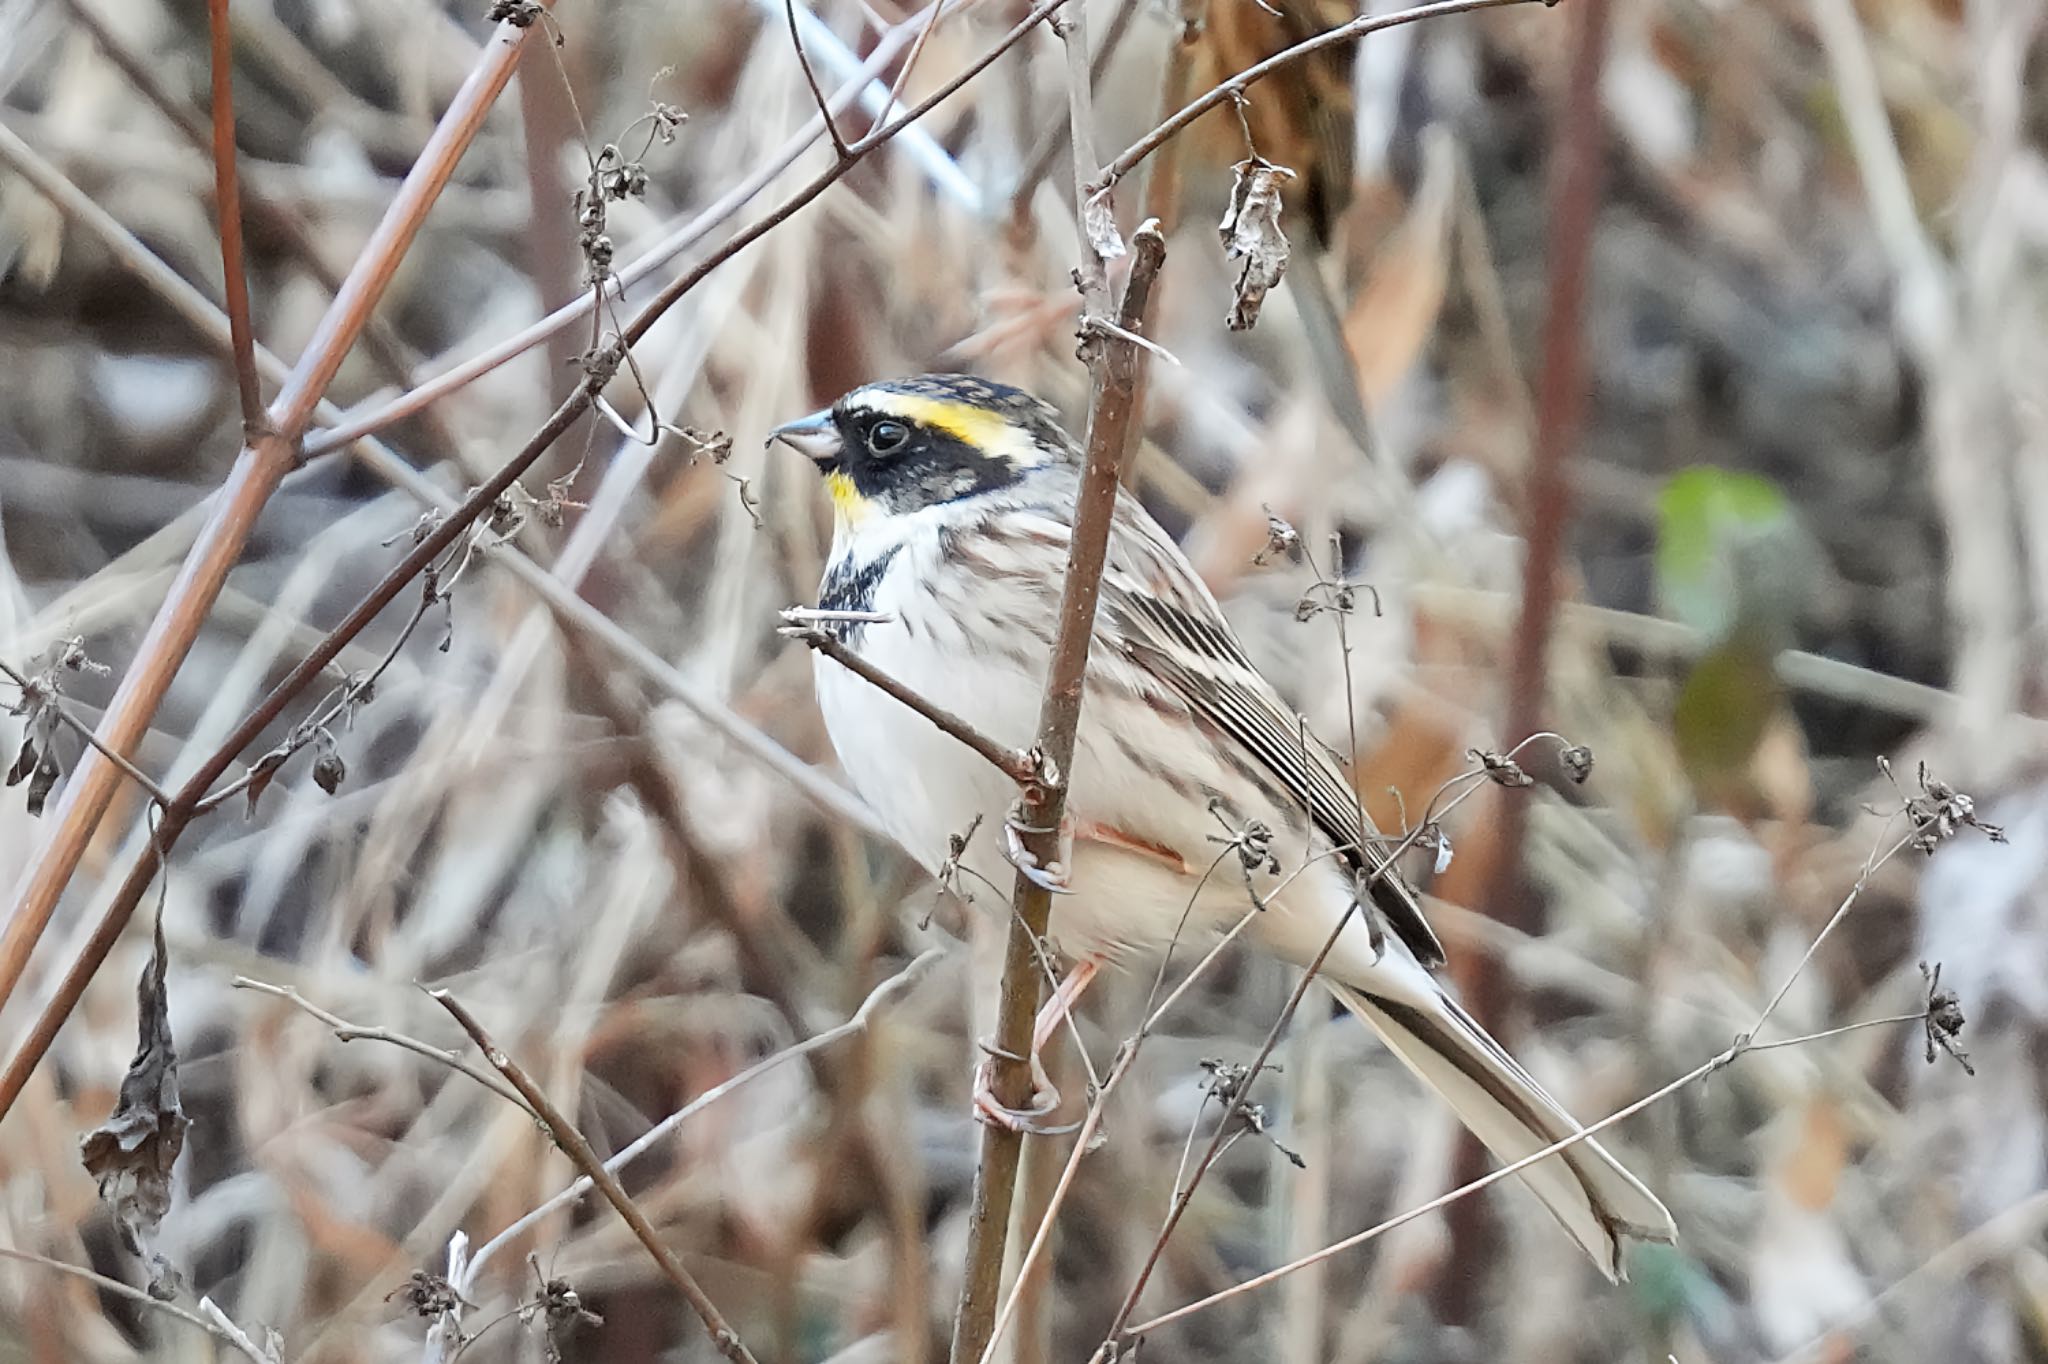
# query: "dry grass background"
{"type": "Point", "coordinates": [1821, 259]}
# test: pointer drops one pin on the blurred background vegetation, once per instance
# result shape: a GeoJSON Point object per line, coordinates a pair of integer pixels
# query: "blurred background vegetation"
{"type": "Point", "coordinates": [1808, 527]}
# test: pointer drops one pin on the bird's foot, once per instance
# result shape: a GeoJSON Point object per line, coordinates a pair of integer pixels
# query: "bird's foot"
{"type": "Point", "coordinates": [1050, 877]}
{"type": "Point", "coordinates": [1029, 1120]}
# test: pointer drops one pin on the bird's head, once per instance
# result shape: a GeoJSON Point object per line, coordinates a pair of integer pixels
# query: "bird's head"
{"type": "Point", "coordinates": [905, 444]}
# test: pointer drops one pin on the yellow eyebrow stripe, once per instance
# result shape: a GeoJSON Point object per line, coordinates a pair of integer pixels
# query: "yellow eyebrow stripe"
{"type": "Point", "coordinates": [978, 427]}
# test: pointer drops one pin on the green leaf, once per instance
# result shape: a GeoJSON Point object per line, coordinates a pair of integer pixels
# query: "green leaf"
{"type": "Point", "coordinates": [1704, 516]}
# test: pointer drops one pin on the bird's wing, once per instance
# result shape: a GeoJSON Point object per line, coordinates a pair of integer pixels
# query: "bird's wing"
{"type": "Point", "coordinates": [1171, 627]}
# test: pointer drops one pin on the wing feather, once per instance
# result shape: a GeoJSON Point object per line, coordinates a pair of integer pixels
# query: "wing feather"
{"type": "Point", "coordinates": [1170, 625]}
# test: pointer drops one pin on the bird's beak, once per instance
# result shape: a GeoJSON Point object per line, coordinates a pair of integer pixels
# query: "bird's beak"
{"type": "Point", "coordinates": [814, 436]}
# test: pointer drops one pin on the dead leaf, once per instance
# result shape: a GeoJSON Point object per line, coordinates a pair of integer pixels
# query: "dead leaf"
{"type": "Point", "coordinates": [1251, 233]}
{"type": "Point", "coordinates": [131, 1154]}
{"type": "Point", "coordinates": [1098, 221]}
{"type": "Point", "coordinates": [37, 763]}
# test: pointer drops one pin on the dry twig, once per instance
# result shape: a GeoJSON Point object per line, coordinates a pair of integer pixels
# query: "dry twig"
{"type": "Point", "coordinates": [578, 1149]}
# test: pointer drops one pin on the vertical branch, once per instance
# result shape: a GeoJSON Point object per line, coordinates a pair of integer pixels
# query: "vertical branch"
{"type": "Point", "coordinates": [227, 197]}
{"type": "Point", "coordinates": [1575, 188]}
{"type": "Point", "coordinates": [1114, 363]}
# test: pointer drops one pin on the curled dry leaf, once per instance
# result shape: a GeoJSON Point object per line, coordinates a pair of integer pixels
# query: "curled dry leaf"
{"type": "Point", "coordinates": [132, 1152]}
{"type": "Point", "coordinates": [36, 763]}
{"type": "Point", "coordinates": [1251, 234]}
{"type": "Point", "coordinates": [1098, 220]}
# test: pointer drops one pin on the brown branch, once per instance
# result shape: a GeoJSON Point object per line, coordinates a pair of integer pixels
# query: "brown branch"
{"type": "Point", "coordinates": [345, 1031]}
{"type": "Point", "coordinates": [1115, 361]}
{"type": "Point", "coordinates": [1236, 86]}
{"type": "Point", "coordinates": [574, 1146]}
{"type": "Point", "coordinates": [1014, 763]}
{"type": "Point", "coordinates": [262, 465]}
{"type": "Point", "coordinates": [803, 59]}
{"type": "Point", "coordinates": [227, 197]}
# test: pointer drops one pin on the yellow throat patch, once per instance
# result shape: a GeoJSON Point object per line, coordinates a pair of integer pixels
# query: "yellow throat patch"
{"type": "Point", "coordinates": [847, 501]}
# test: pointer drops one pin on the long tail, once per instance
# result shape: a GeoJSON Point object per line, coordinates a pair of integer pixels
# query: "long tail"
{"type": "Point", "coordinates": [1586, 1189]}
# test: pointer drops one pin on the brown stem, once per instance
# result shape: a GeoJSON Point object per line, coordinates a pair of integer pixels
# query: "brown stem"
{"type": "Point", "coordinates": [803, 59]}
{"type": "Point", "coordinates": [574, 1146]}
{"type": "Point", "coordinates": [1251, 75]}
{"type": "Point", "coordinates": [382, 341]}
{"type": "Point", "coordinates": [227, 197]}
{"type": "Point", "coordinates": [1111, 424]}
{"type": "Point", "coordinates": [1575, 187]}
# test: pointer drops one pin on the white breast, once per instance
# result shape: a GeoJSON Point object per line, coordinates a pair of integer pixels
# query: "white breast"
{"type": "Point", "coordinates": [922, 783]}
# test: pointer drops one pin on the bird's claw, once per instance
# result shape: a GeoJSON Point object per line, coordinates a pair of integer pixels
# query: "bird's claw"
{"type": "Point", "coordinates": [1030, 1120]}
{"type": "Point", "coordinates": [1050, 878]}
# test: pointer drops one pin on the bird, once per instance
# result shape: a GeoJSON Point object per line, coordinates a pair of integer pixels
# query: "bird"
{"type": "Point", "coordinates": [953, 501]}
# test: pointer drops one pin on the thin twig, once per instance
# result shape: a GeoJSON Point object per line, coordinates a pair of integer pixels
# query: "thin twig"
{"type": "Point", "coordinates": [924, 33]}
{"type": "Point", "coordinates": [859, 1022]}
{"type": "Point", "coordinates": [1743, 1044]}
{"type": "Point", "coordinates": [84, 731]}
{"type": "Point", "coordinates": [227, 194]}
{"type": "Point", "coordinates": [796, 41]}
{"type": "Point", "coordinates": [133, 1294]}
{"type": "Point", "coordinates": [345, 1031]}
{"type": "Point", "coordinates": [233, 1334]}
{"type": "Point", "coordinates": [1014, 763]}
{"type": "Point", "coordinates": [573, 1145]}
{"type": "Point", "coordinates": [1233, 88]}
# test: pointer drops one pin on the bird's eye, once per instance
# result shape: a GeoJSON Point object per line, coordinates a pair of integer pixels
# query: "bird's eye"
{"type": "Point", "coordinates": [887, 437]}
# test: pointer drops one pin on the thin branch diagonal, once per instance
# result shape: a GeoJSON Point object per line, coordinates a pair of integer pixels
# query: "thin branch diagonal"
{"type": "Point", "coordinates": [345, 1031]}
{"type": "Point", "coordinates": [796, 41]}
{"type": "Point", "coordinates": [1232, 89]}
{"type": "Point", "coordinates": [1019, 766]}
{"type": "Point", "coordinates": [573, 1145]}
